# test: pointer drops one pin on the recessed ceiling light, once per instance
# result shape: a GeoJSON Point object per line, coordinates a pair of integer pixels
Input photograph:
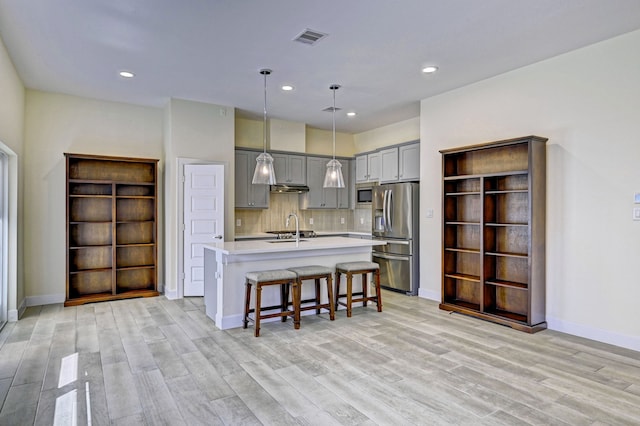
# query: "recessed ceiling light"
{"type": "Point", "coordinates": [127, 74]}
{"type": "Point", "coordinates": [351, 114]}
{"type": "Point", "coordinates": [287, 87]}
{"type": "Point", "coordinates": [429, 69]}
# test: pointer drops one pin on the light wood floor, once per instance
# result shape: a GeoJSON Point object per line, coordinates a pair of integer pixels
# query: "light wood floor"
{"type": "Point", "coordinates": [155, 361]}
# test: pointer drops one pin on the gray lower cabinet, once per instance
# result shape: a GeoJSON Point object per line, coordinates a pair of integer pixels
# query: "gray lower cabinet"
{"type": "Point", "coordinates": [319, 197]}
{"type": "Point", "coordinates": [247, 194]}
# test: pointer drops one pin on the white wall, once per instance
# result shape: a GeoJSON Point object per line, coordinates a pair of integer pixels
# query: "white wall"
{"type": "Point", "coordinates": [56, 124]}
{"type": "Point", "coordinates": [203, 132]}
{"type": "Point", "coordinates": [12, 102]}
{"type": "Point", "coordinates": [587, 103]}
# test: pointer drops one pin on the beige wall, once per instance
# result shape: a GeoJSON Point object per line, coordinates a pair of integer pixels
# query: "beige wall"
{"type": "Point", "coordinates": [55, 124]}
{"type": "Point", "coordinates": [248, 134]}
{"type": "Point", "coordinates": [320, 142]}
{"type": "Point", "coordinates": [203, 133]}
{"type": "Point", "coordinates": [12, 104]}
{"type": "Point", "coordinates": [402, 131]}
{"type": "Point", "coordinates": [587, 103]}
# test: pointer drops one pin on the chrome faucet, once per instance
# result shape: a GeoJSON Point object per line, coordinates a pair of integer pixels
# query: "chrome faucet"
{"type": "Point", "coordinates": [297, 227]}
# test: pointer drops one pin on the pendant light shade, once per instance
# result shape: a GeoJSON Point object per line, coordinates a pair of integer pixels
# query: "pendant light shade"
{"type": "Point", "coordinates": [333, 177]}
{"type": "Point", "coordinates": [264, 173]}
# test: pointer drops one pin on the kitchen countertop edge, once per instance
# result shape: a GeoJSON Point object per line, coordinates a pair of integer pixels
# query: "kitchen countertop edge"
{"type": "Point", "coordinates": [262, 246]}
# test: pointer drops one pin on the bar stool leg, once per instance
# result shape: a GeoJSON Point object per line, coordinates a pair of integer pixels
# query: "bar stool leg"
{"type": "Point", "coordinates": [337, 302]}
{"type": "Point", "coordinates": [284, 299]}
{"type": "Point", "coordinates": [257, 310]}
{"type": "Point", "coordinates": [378, 292]}
{"type": "Point", "coordinates": [349, 293]}
{"type": "Point", "coordinates": [365, 288]}
{"type": "Point", "coordinates": [247, 302]}
{"type": "Point", "coordinates": [332, 306]}
{"type": "Point", "coordinates": [296, 304]}
{"type": "Point", "coordinates": [317, 282]}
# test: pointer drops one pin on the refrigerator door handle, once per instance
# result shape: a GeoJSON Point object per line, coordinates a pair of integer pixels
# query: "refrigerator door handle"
{"type": "Point", "coordinates": [384, 210]}
{"type": "Point", "coordinates": [390, 210]}
{"type": "Point", "coordinates": [399, 242]}
{"type": "Point", "coordinates": [390, 256]}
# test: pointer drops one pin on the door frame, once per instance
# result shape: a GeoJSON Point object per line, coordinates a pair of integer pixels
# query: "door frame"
{"type": "Point", "coordinates": [182, 161]}
{"type": "Point", "coordinates": [10, 258]}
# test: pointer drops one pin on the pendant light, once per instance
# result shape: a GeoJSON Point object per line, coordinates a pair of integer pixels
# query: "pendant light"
{"type": "Point", "coordinates": [264, 173]}
{"type": "Point", "coordinates": [333, 177]}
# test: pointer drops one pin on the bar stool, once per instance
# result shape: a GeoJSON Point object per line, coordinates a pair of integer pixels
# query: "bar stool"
{"type": "Point", "coordinates": [316, 273]}
{"type": "Point", "coordinates": [284, 279]}
{"type": "Point", "coordinates": [355, 268]}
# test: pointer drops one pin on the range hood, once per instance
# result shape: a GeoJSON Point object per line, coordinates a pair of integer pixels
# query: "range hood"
{"type": "Point", "coordinates": [282, 188]}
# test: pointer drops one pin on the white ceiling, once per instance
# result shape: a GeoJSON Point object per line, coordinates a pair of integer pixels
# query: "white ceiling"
{"type": "Point", "coordinates": [211, 50]}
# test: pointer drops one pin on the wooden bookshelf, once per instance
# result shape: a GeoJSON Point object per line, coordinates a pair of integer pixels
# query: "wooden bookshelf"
{"type": "Point", "coordinates": [493, 256]}
{"type": "Point", "coordinates": [111, 228]}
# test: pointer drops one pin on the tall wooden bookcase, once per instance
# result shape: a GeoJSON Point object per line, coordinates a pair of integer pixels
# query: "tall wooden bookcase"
{"type": "Point", "coordinates": [111, 228]}
{"type": "Point", "coordinates": [493, 256]}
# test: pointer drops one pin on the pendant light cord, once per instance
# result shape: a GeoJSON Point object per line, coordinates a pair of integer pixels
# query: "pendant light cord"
{"type": "Point", "coordinates": [334, 121]}
{"type": "Point", "coordinates": [334, 87]}
{"type": "Point", "coordinates": [265, 73]}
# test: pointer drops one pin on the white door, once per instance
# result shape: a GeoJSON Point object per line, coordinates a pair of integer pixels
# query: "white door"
{"type": "Point", "coordinates": [4, 228]}
{"type": "Point", "coordinates": [203, 220]}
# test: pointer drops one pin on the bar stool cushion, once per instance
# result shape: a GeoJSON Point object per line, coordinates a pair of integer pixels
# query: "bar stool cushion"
{"type": "Point", "coordinates": [357, 266]}
{"type": "Point", "coordinates": [272, 275]}
{"type": "Point", "coordinates": [311, 270]}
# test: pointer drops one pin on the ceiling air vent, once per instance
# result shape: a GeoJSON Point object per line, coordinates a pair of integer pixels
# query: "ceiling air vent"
{"type": "Point", "coordinates": [309, 36]}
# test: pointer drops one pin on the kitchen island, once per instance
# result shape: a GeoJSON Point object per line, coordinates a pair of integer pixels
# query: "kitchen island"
{"type": "Point", "coordinates": [226, 263]}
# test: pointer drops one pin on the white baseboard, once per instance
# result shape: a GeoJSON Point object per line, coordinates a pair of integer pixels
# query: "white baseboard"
{"type": "Point", "coordinates": [428, 294]}
{"type": "Point", "coordinates": [557, 324]}
{"type": "Point", "coordinates": [14, 314]}
{"type": "Point", "coordinates": [171, 294]}
{"type": "Point", "coordinates": [604, 336]}
{"type": "Point", "coordinates": [46, 299]}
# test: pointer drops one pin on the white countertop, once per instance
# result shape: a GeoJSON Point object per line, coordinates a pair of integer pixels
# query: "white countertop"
{"type": "Point", "coordinates": [282, 246]}
{"type": "Point", "coordinates": [264, 235]}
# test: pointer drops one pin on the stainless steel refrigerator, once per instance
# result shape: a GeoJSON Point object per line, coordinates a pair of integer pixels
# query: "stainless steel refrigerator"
{"type": "Point", "coordinates": [395, 210]}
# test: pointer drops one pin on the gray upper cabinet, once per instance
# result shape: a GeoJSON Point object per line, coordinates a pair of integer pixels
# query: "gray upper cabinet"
{"type": "Point", "coordinates": [389, 165]}
{"type": "Point", "coordinates": [344, 194]}
{"type": "Point", "coordinates": [409, 162]}
{"type": "Point", "coordinates": [290, 169]}
{"type": "Point", "coordinates": [400, 163]}
{"type": "Point", "coordinates": [319, 197]}
{"type": "Point", "coordinates": [362, 168]}
{"type": "Point", "coordinates": [368, 167]}
{"type": "Point", "coordinates": [247, 194]}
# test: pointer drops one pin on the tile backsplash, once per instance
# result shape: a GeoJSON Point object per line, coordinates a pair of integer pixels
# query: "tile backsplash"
{"type": "Point", "coordinates": [280, 205]}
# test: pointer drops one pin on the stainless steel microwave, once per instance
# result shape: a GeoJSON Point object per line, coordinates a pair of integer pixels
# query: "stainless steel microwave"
{"type": "Point", "coordinates": [364, 194]}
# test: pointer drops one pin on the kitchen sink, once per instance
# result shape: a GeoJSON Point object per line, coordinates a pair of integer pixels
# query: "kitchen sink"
{"type": "Point", "coordinates": [285, 241]}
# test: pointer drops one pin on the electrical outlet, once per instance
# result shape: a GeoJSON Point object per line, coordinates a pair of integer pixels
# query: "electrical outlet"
{"type": "Point", "coordinates": [429, 213]}
{"type": "Point", "coordinates": [362, 221]}
{"type": "Point", "coordinates": [310, 221]}
{"type": "Point", "coordinates": [342, 221]}
{"type": "Point", "coordinates": [238, 222]}
{"type": "Point", "coordinates": [636, 213]}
